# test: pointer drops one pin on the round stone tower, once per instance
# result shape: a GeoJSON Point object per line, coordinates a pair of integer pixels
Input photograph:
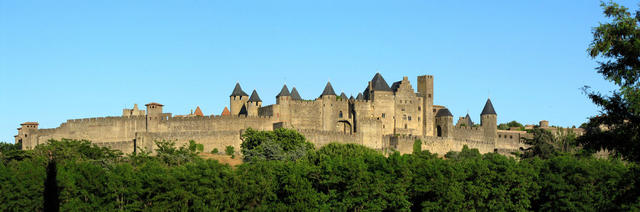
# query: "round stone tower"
{"type": "Point", "coordinates": [237, 100]}
{"type": "Point", "coordinates": [489, 121]}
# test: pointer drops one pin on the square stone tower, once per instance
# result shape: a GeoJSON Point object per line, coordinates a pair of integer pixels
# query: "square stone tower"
{"type": "Point", "coordinates": [425, 89]}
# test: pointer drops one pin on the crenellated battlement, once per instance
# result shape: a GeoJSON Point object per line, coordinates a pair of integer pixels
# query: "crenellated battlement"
{"type": "Point", "coordinates": [381, 117]}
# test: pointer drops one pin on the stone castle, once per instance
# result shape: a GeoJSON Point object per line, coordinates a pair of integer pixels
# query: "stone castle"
{"type": "Point", "coordinates": [382, 117]}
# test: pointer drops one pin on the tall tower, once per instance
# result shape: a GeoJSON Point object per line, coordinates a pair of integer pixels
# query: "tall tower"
{"type": "Point", "coordinates": [328, 98]}
{"type": "Point", "coordinates": [489, 121]}
{"type": "Point", "coordinates": [253, 104]}
{"type": "Point", "coordinates": [425, 89]}
{"type": "Point", "coordinates": [237, 100]}
{"type": "Point", "coordinates": [154, 113]}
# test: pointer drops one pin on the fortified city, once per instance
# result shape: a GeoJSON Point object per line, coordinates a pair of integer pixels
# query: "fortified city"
{"type": "Point", "coordinates": [382, 117]}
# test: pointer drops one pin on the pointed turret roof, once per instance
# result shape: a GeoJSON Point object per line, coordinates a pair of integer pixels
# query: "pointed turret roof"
{"type": "Point", "coordinates": [198, 112]}
{"type": "Point", "coordinates": [351, 98]}
{"type": "Point", "coordinates": [468, 118]}
{"type": "Point", "coordinates": [343, 96]}
{"type": "Point", "coordinates": [225, 112]}
{"type": "Point", "coordinates": [237, 91]}
{"type": "Point", "coordinates": [379, 84]}
{"type": "Point", "coordinates": [359, 97]}
{"type": "Point", "coordinates": [295, 95]}
{"type": "Point", "coordinates": [444, 112]}
{"type": "Point", "coordinates": [488, 108]}
{"type": "Point", "coordinates": [284, 91]}
{"type": "Point", "coordinates": [328, 90]}
{"type": "Point", "coordinates": [254, 96]}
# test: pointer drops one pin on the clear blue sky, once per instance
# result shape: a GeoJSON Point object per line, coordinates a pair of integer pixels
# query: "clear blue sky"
{"type": "Point", "coordinates": [63, 60]}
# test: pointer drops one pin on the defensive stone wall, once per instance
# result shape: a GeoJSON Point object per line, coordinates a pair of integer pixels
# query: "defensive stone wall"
{"type": "Point", "coordinates": [209, 139]}
{"type": "Point", "coordinates": [439, 145]}
{"type": "Point", "coordinates": [322, 138]}
{"type": "Point", "coordinates": [468, 133]}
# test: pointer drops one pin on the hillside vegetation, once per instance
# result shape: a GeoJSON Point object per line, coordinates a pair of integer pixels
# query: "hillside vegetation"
{"type": "Point", "coordinates": [298, 178]}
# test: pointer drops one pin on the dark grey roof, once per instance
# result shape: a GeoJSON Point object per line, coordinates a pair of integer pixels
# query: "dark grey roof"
{"type": "Point", "coordinates": [295, 95]}
{"type": "Point", "coordinates": [488, 108]}
{"type": "Point", "coordinates": [284, 91]}
{"type": "Point", "coordinates": [351, 98]}
{"type": "Point", "coordinates": [395, 86]}
{"type": "Point", "coordinates": [343, 96]}
{"type": "Point", "coordinates": [237, 91]}
{"type": "Point", "coordinates": [378, 83]}
{"type": "Point", "coordinates": [328, 90]}
{"type": "Point", "coordinates": [359, 97]}
{"type": "Point", "coordinates": [444, 112]}
{"type": "Point", "coordinates": [254, 97]}
{"type": "Point", "coordinates": [468, 118]}
{"type": "Point", "coordinates": [366, 93]}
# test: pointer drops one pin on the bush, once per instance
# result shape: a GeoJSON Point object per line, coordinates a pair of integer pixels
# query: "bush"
{"type": "Point", "coordinates": [214, 151]}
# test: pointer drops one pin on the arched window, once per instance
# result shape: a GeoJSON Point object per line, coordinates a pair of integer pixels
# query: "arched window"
{"type": "Point", "coordinates": [439, 131]}
{"type": "Point", "coordinates": [340, 114]}
{"type": "Point", "coordinates": [405, 126]}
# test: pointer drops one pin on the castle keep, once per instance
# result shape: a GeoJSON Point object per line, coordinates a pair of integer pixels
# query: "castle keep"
{"type": "Point", "coordinates": [382, 117]}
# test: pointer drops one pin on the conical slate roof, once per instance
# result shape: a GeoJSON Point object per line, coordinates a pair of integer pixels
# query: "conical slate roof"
{"type": "Point", "coordinates": [343, 96]}
{"type": "Point", "coordinates": [351, 98]}
{"type": "Point", "coordinates": [468, 118]}
{"type": "Point", "coordinates": [295, 95]}
{"type": "Point", "coordinates": [328, 90]}
{"type": "Point", "coordinates": [379, 84]}
{"type": "Point", "coordinates": [444, 112]}
{"type": "Point", "coordinates": [488, 108]}
{"type": "Point", "coordinates": [284, 91]}
{"type": "Point", "coordinates": [254, 97]}
{"type": "Point", "coordinates": [359, 97]}
{"type": "Point", "coordinates": [237, 91]}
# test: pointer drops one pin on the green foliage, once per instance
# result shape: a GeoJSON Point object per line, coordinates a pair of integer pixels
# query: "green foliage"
{"type": "Point", "coordinates": [214, 151]}
{"type": "Point", "coordinates": [172, 156]}
{"type": "Point", "coordinates": [616, 43]}
{"type": "Point", "coordinates": [541, 145]}
{"type": "Point", "coordinates": [417, 146]}
{"type": "Point", "coordinates": [509, 125]}
{"type": "Point", "coordinates": [229, 150]}
{"type": "Point", "coordinates": [280, 144]}
{"type": "Point", "coordinates": [336, 177]}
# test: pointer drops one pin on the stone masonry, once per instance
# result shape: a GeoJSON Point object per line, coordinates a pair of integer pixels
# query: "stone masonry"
{"type": "Point", "coordinates": [382, 117]}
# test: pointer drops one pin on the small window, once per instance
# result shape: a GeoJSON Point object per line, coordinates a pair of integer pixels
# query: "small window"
{"type": "Point", "coordinates": [383, 115]}
{"type": "Point", "coordinates": [340, 114]}
{"type": "Point", "coordinates": [511, 136]}
{"type": "Point", "coordinates": [434, 110]}
{"type": "Point", "coordinates": [419, 108]}
{"type": "Point", "coordinates": [409, 118]}
{"type": "Point", "coordinates": [429, 95]}
{"type": "Point", "coordinates": [405, 126]}
{"type": "Point", "coordinates": [402, 109]}
{"type": "Point", "coordinates": [383, 126]}
{"type": "Point", "coordinates": [418, 118]}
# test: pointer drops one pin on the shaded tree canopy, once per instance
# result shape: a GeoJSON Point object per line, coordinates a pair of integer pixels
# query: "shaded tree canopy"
{"type": "Point", "coordinates": [617, 45]}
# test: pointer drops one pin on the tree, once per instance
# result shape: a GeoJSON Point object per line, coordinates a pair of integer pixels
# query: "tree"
{"type": "Point", "coordinates": [540, 145]}
{"type": "Point", "coordinates": [509, 125]}
{"type": "Point", "coordinates": [617, 44]}
{"type": "Point", "coordinates": [280, 144]}
{"type": "Point", "coordinates": [229, 150]}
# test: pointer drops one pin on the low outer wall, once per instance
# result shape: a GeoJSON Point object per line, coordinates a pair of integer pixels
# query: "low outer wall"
{"type": "Point", "coordinates": [322, 138]}
{"type": "Point", "coordinates": [439, 145]}
{"type": "Point", "coordinates": [210, 139]}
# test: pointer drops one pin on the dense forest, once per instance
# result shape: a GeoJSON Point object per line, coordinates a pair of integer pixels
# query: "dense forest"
{"type": "Point", "coordinates": [282, 171]}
